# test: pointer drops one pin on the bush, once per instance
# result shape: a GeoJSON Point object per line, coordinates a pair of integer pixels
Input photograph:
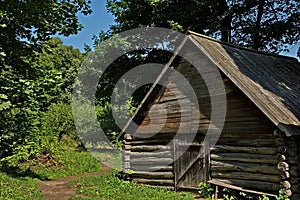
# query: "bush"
{"type": "Point", "coordinates": [58, 121]}
{"type": "Point", "coordinates": [205, 190]}
{"type": "Point", "coordinates": [19, 140]}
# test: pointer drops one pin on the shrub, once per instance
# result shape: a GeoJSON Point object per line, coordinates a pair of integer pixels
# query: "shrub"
{"type": "Point", "coordinates": [205, 190]}
{"type": "Point", "coordinates": [58, 121]}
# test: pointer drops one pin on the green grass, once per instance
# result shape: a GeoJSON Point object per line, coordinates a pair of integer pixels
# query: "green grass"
{"type": "Point", "coordinates": [14, 188]}
{"type": "Point", "coordinates": [22, 182]}
{"type": "Point", "coordinates": [110, 187]}
{"type": "Point", "coordinates": [71, 162]}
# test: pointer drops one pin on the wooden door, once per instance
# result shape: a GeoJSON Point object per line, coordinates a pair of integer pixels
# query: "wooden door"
{"type": "Point", "coordinates": [190, 165]}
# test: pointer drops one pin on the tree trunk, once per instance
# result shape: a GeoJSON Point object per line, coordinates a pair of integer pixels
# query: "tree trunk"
{"type": "Point", "coordinates": [257, 28]}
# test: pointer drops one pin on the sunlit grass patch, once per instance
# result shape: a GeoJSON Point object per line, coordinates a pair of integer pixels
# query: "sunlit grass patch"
{"type": "Point", "coordinates": [12, 188]}
{"type": "Point", "coordinates": [111, 187]}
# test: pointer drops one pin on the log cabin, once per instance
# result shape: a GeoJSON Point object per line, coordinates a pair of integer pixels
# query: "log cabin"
{"type": "Point", "coordinates": [254, 146]}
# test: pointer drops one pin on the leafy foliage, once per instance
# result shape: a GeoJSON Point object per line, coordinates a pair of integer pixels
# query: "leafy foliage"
{"type": "Point", "coordinates": [205, 190]}
{"type": "Point", "coordinates": [270, 25]}
{"type": "Point", "coordinates": [265, 25]}
{"type": "Point", "coordinates": [44, 78]}
{"type": "Point", "coordinates": [23, 24]}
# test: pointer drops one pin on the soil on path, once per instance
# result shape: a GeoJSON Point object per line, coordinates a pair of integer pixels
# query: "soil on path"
{"type": "Point", "coordinates": [60, 189]}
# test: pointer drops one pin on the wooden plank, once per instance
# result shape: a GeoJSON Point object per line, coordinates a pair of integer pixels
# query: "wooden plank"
{"type": "Point", "coordinates": [267, 159]}
{"type": "Point", "coordinates": [151, 168]}
{"type": "Point", "coordinates": [246, 142]}
{"type": "Point", "coordinates": [246, 176]}
{"type": "Point", "coordinates": [255, 185]}
{"type": "Point", "coordinates": [148, 148]}
{"type": "Point", "coordinates": [152, 175]}
{"type": "Point", "coordinates": [249, 136]}
{"type": "Point", "coordinates": [158, 154]}
{"type": "Point", "coordinates": [144, 141]}
{"type": "Point", "coordinates": [225, 185]}
{"type": "Point", "coordinates": [165, 182]}
{"type": "Point", "coordinates": [243, 149]}
{"type": "Point", "coordinates": [227, 166]}
{"type": "Point", "coordinates": [151, 160]}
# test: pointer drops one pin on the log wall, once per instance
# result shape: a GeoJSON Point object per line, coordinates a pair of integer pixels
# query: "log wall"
{"type": "Point", "coordinates": [246, 152]}
{"type": "Point", "coordinates": [245, 155]}
{"type": "Point", "coordinates": [149, 152]}
{"type": "Point", "coordinates": [292, 166]}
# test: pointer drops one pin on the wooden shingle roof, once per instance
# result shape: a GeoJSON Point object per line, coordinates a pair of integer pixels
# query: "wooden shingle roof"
{"type": "Point", "coordinates": [271, 82]}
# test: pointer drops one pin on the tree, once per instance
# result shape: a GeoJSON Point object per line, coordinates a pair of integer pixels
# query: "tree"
{"type": "Point", "coordinates": [47, 78]}
{"type": "Point", "coordinates": [180, 15]}
{"type": "Point", "coordinates": [23, 24]}
{"type": "Point", "coordinates": [34, 71]}
{"type": "Point", "coordinates": [268, 25]}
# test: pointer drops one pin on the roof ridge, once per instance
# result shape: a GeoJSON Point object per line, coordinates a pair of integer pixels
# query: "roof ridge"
{"type": "Point", "coordinates": [239, 47]}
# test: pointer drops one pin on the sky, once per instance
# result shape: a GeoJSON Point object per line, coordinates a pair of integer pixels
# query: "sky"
{"type": "Point", "coordinates": [100, 19]}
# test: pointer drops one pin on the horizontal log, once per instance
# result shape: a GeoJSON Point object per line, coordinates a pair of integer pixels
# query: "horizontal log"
{"type": "Point", "coordinates": [244, 167]}
{"type": "Point", "coordinates": [151, 168]}
{"type": "Point", "coordinates": [147, 141]}
{"type": "Point", "coordinates": [267, 159]}
{"type": "Point", "coordinates": [284, 175]}
{"type": "Point", "coordinates": [159, 154]}
{"type": "Point", "coordinates": [246, 142]}
{"type": "Point", "coordinates": [126, 158]}
{"type": "Point", "coordinates": [126, 148]}
{"type": "Point", "coordinates": [288, 192]}
{"type": "Point", "coordinates": [152, 175]}
{"type": "Point", "coordinates": [165, 120]}
{"type": "Point", "coordinates": [126, 165]}
{"type": "Point", "coordinates": [241, 149]}
{"type": "Point", "coordinates": [162, 186]}
{"type": "Point", "coordinates": [168, 136]}
{"type": "Point", "coordinates": [283, 166]}
{"type": "Point", "coordinates": [249, 135]}
{"type": "Point", "coordinates": [232, 119]}
{"type": "Point", "coordinates": [246, 176]}
{"type": "Point", "coordinates": [165, 182]}
{"type": "Point", "coordinates": [149, 148]}
{"type": "Point", "coordinates": [256, 185]}
{"type": "Point", "coordinates": [285, 185]}
{"type": "Point", "coordinates": [151, 161]}
{"type": "Point", "coordinates": [183, 116]}
{"type": "Point", "coordinates": [170, 110]}
{"type": "Point", "coordinates": [167, 128]}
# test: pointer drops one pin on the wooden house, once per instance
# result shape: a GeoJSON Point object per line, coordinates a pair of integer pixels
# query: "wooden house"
{"type": "Point", "coordinates": [259, 145]}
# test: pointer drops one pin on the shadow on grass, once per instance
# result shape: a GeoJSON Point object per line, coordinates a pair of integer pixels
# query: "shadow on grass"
{"type": "Point", "coordinates": [16, 172]}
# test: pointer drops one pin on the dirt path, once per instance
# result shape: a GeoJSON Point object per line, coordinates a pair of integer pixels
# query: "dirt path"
{"type": "Point", "coordinates": [59, 189]}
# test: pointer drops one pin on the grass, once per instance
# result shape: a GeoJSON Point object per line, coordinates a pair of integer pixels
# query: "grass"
{"type": "Point", "coordinates": [67, 160]}
{"type": "Point", "coordinates": [110, 187]}
{"type": "Point", "coordinates": [70, 162]}
{"type": "Point", "coordinates": [22, 182]}
{"type": "Point", "coordinates": [14, 188]}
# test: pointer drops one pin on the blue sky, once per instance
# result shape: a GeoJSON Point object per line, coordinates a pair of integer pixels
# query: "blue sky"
{"type": "Point", "coordinates": [99, 20]}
